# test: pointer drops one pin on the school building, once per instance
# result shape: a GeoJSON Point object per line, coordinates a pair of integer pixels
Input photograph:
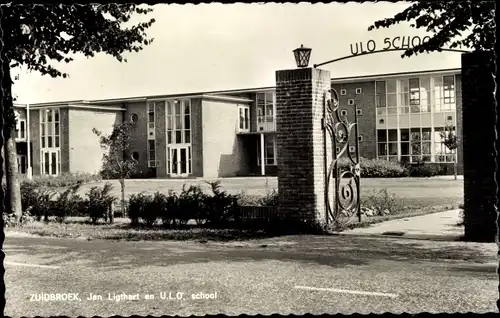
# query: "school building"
{"type": "Point", "coordinates": [232, 133]}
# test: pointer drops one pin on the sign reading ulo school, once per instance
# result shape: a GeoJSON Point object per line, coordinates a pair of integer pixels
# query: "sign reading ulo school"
{"type": "Point", "coordinates": [396, 43]}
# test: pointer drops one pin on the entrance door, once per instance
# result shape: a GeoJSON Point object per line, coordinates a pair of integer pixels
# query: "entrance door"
{"type": "Point", "coordinates": [50, 162]}
{"type": "Point", "coordinates": [180, 163]}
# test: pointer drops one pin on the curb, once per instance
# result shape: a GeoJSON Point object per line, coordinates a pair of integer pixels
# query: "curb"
{"type": "Point", "coordinates": [403, 235]}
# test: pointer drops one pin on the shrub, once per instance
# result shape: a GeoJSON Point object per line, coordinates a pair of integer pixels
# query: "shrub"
{"type": "Point", "coordinates": [191, 205]}
{"type": "Point", "coordinates": [36, 199]}
{"type": "Point", "coordinates": [171, 209]}
{"type": "Point", "coordinates": [378, 168]}
{"type": "Point", "coordinates": [99, 201]}
{"type": "Point", "coordinates": [154, 207]}
{"type": "Point", "coordinates": [425, 170]}
{"type": "Point", "coordinates": [67, 203]}
{"type": "Point", "coordinates": [219, 206]}
{"type": "Point", "coordinates": [270, 199]}
{"type": "Point", "coordinates": [136, 204]}
{"type": "Point", "coordinates": [382, 202]}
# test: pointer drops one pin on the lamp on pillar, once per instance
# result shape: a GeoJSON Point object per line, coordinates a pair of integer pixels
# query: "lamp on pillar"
{"type": "Point", "coordinates": [302, 55]}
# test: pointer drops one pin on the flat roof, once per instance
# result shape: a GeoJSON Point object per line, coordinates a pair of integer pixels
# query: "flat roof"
{"type": "Point", "coordinates": [237, 91]}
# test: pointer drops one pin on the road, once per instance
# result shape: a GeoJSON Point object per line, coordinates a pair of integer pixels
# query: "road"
{"type": "Point", "coordinates": [294, 274]}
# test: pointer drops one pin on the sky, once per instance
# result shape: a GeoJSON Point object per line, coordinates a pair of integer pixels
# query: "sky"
{"type": "Point", "coordinates": [210, 47]}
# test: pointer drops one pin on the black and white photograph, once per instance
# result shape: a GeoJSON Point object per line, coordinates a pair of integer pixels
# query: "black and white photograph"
{"type": "Point", "coordinates": [249, 158]}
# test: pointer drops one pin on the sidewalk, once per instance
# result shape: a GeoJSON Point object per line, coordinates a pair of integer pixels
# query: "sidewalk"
{"type": "Point", "coordinates": [441, 226]}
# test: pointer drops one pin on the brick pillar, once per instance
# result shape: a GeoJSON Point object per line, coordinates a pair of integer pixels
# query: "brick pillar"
{"type": "Point", "coordinates": [479, 154]}
{"type": "Point", "coordinates": [299, 110]}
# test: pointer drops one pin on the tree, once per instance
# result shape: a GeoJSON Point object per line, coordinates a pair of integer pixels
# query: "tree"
{"type": "Point", "coordinates": [450, 141]}
{"type": "Point", "coordinates": [35, 34]}
{"type": "Point", "coordinates": [116, 162]}
{"type": "Point", "coordinates": [448, 21]}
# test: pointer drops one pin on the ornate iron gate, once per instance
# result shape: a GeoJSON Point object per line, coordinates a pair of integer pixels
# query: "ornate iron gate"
{"type": "Point", "coordinates": [343, 203]}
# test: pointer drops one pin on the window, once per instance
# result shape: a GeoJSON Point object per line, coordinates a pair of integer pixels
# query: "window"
{"type": "Point", "coordinates": [178, 121]}
{"type": "Point", "coordinates": [449, 92]}
{"type": "Point", "coordinates": [359, 112]}
{"type": "Point", "coordinates": [350, 102]}
{"type": "Point", "coordinates": [380, 98]}
{"type": "Point", "coordinates": [343, 112]}
{"type": "Point", "coordinates": [151, 154]}
{"type": "Point", "coordinates": [269, 151]}
{"type": "Point", "coordinates": [134, 118]}
{"type": "Point", "coordinates": [425, 94]}
{"type": "Point", "coordinates": [441, 152]}
{"type": "Point", "coordinates": [265, 111]}
{"type": "Point", "coordinates": [352, 149]}
{"type": "Point", "coordinates": [50, 162]}
{"type": "Point", "coordinates": [49, 128]}
{"type": "Point", "coordinates": [358, 91]}
{"type": "Point", "coordinates": [403, 96]}
{"type": "Point", "coordinates": [135, 156]}
{"type": "Point", "coordinates": [21, 129]}
{"type": "Point", "coordinates": [343, 92]}
{"type": "Point", "coordinates": [360, 138]}
{"type": "Point", "coordinates": [420, 144]}
{"type": "Point", "coordinates": [392, 97]}
{"type": "Point", "coordinates": [414, 84]}
{"type": "Point", "coordinates": [243, 118]}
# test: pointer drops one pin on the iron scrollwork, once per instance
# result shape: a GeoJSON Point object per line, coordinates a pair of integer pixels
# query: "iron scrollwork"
{"type": "Point", "coordinates": [343, 205]}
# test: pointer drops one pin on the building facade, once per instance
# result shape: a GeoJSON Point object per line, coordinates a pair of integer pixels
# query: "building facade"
{"type": "Point", "coordinates": [233, 133]}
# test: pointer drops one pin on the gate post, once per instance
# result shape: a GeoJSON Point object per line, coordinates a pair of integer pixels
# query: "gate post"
{"type": "Point", "coordinates": [478, 141]}
{"type": "Point", "coordinates": [300, 98]}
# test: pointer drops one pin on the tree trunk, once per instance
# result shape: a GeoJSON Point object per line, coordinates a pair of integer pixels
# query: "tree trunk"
{"type": "Point", "coordinates": [13, 185]}
{"type": "Point", "coordinates": [13, 191]}
{"type": "Point", "coordinates": [122, 186]}
{"type": "Point", "coordinates": [455, 169]}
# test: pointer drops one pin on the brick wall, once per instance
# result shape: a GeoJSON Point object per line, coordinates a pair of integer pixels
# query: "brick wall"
{"type": "Point", "coordinates": [138, 142]}
{"type": "Point", "coordinates": [367, 121]}
{"type": "Point", "coordinates": [81, 151]}
{"type": "Point", "coordinates": [65, 135]}
{"type": "Point", "coordinates": [161, 140]}
{"type": "Point", "coordinates": [479, 155]}
{"type": "Point", "coordinates": [35, 140]}
{"type": "Point", "coordinates": [299, 110]}
{"type": "Point", "coordinates": [197, 137]}
{"type": "Point", "coordinates": [224, 154]}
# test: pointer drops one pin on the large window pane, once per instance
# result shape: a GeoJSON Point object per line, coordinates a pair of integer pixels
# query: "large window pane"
{"type": "Point", "coordinates": [46, 162]}
{"type": "Point", "coordinates": [56, 114]}
{"type": "Point", "coordinates": [392, 100]}
{"type": "Point", "coordinates": [380, 101]}
{"type": "Point", "coordinates": [382, 149]}
{"type": "Point", "coordinates": [403, 85]}
{"type": "Point", "coordinates": [405, 135]}
{"type": "Point", "coordinates": [381, 135]}
{"type": "Point", "coordinates": [393, 149]}
{"type": "Point", "coordinates": [187, 136]}
{"type": "Point", "coordinates": [405, 148]}
{"type": "Point", "coordinates": [380, 87]}
{"type": "Point", "coordinates": [415, 134]}
{"type": "Point", "coordinates": [393, 135]}
{"type": "Point", "coordinates": [178, 122]}
{"type": "Point", "coordinates": [187, 106]}
{"type": "Point", "coordinates": [426, 134]}
{"type": "Point", "coordinates": [391, 86]}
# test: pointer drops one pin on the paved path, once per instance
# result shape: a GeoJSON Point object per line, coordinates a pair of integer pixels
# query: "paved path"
{"type": "Point", "coordinates": [435, 226]}
{"type": "Point", "coordinates": [293, 274]}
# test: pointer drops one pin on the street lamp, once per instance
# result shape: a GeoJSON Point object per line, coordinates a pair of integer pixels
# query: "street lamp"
{"type": "Point", "coordinates": [302, 55]}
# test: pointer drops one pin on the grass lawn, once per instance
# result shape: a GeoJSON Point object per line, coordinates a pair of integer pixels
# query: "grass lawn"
{"type": "Point", "coordinates": [418, 195]}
